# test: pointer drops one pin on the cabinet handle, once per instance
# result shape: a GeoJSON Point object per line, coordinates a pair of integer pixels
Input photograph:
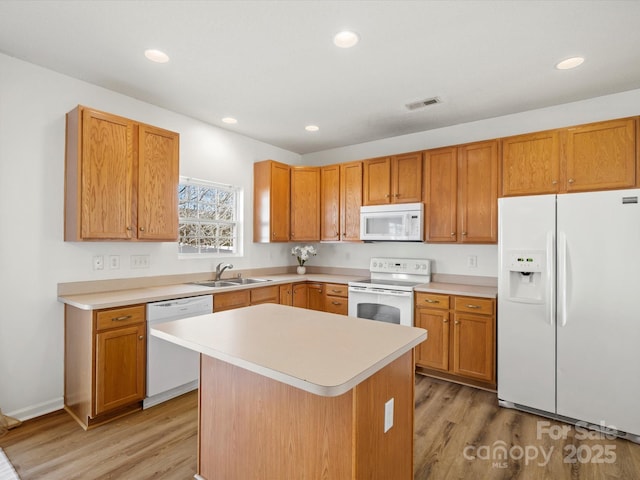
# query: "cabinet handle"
{"type": "Point", "coordinates": [554, 182]}
{"type": "Point", "coordinates": [337, 234]}
{"type": "Point", "coordinates": [142, 229]}
{"type": "Point", "coordinates": [428, 300]}
{"type": "Point", "coordinates": [120, 319]}
{"type": "Point", "coordinates": [446, 320]}
{"type": "Point", "coordinates": [129, 229]}
{"type": "Point", "coordinates": [453, 234]}
{"type": "Point", "coordinates": [464, 234]}
{"type": "Point", "coordinates": [344, 234]}
{"type": "Point", "coordinates": [571, 180]}
{"type": "Point", "coordinates": [457, 322]}
{"type": "Point", "coordinates": [397, 195]}
{"type": "Point", "coordinates": [336, 303]}
{"type": "Point", "coordinates": [274, 234]}
{"type": "Point", "coordinates": [140, 337]}
{"type": "Point", "coordinates": [386, 195]}
{"type": "Point", "coordinates": [336, 291]}
{"type": "Point", "coordinates": [468, 305]}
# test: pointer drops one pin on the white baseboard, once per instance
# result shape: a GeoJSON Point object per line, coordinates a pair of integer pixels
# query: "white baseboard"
{"type": "Point", "coordinates": [169, 394]}
{"type": "Point", "coordinates": [37, 410]}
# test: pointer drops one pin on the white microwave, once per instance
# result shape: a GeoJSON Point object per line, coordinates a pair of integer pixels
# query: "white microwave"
{"type": "Point", "coordinates": [400, 222]}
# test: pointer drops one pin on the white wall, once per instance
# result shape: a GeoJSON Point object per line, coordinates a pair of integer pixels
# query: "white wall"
{"type": "Point", "coordinates": [33, 256]}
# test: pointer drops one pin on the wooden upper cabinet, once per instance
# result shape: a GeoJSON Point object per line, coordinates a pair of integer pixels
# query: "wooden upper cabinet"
{"type": "Point", "coordinates": [330, 203]}
{"type": "Point", "coordinates": [478, 192]}
{"type": "Point", "coordinates": [271, 201]}
{"type": "Point", "coordinates": [461, 193]}
{"type": "Point", "coordinates": [121, 179]}
{"type": "Point", "coordinates": [158, 170]}
{"type": "Point", "coordinates": [441, 194]}
{"type": "Point", "coordinates": [396, 179]}
{"type": "Point", "coordinates": [596, 156]}
{"type": "Point", "coordinates": [340, 201]}
{"type": "Point", "coordinates": [601, 156]}
{"type": "Point", "coordinates": [406, 178]}
{"type": "Point", "coordinates": [531, 164]}
{"type": "Point", "coordinates": [350, 201]}
{"type": "Point", "coordinates": [305, 204]}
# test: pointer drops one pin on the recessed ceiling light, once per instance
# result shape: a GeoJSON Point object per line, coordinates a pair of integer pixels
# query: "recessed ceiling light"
{"type": "Point", "coordinates": [570, 63]}
{"type": "Point", "coordinates": [312, 128]}
{"type": "Point", "coordinates": [156, 56]}
{"type": "Point", "coordinates": [346, 39]}
{"type": "Point", "coordinates": [230, 120]}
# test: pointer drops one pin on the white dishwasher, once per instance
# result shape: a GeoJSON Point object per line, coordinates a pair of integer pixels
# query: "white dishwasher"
{"type": "Point", "coordinates": [171, 369]}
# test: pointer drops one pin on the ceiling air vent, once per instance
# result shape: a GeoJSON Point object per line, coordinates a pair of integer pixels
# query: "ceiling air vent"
{"type": "Point", "coordinates": [422, 103]}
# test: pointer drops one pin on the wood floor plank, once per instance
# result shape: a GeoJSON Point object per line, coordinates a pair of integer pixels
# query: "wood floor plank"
{"type": "Point", "coordinates": [450, 420]}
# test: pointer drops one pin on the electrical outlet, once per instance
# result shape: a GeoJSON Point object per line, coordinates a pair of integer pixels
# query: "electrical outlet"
{"type": "Point", "coordinates": [388, 415]}
{"type": "Point", "coordinates": [140, 261]}
{"type": "Point", "coordinates": [98, 262]}
{"type": "Point", "coordinates": [114, 262]}
{"type": "Point", "coordinates": [472, 261]}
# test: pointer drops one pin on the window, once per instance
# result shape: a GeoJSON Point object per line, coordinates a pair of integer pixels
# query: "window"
{"type": "Point", "coordinates": [208, 218]}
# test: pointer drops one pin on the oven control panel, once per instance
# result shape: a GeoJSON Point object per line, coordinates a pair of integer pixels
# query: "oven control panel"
{"type": "Point", "coordinates": [417, 266]}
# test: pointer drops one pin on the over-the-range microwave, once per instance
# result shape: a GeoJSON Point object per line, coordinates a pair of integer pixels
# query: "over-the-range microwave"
{"type": "Point", "coordinates": [400, 222]}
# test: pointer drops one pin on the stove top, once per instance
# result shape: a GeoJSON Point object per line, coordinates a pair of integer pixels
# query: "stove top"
{"type": "Point", "coordinates": [397, 273]}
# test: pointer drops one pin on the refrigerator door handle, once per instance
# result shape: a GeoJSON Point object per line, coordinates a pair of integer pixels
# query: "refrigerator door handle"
{"type": "Point", "coordinates": [562, 278]}
{"type": "Point", "coordinates": [551, 255]}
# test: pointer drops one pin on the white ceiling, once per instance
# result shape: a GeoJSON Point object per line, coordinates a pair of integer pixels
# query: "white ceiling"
{"type": "Point", "coordinates": [273, 66]}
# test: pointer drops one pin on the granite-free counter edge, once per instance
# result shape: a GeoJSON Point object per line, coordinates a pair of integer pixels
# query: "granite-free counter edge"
{"type": "Point", "coordinates": [483, 291]}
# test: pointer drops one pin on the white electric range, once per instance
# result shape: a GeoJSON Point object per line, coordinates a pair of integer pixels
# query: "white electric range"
{"type": "Point", "coordinates": [387, 295]}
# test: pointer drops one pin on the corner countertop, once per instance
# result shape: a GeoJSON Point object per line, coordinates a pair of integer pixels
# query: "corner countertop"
{"type": "Point", "coordinates": [322, 353]}
{"type": "Point", "coordinates": [485, 291]}
{"type": "Point", "coordinates": [131, 296]}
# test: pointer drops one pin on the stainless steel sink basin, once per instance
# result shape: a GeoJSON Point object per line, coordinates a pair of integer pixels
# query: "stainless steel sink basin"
{"type": "Point", "coordinates": [230, 282]}
{"type": "Point", "coordinates": [246, 281]}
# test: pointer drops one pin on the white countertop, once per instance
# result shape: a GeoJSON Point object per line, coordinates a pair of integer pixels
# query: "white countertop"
{"type": "Point", "coordinates": [131, 296]}
{"type": "Point", "coordinates": [322, 353]}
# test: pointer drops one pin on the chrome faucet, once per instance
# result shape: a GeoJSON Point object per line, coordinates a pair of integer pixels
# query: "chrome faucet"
{"type": "Point", "coordinates": [220, 268]}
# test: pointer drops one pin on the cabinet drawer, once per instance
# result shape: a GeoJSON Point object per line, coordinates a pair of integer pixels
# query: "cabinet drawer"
{"type": "Point", "coordinates": [229, 300]}
{"type": "Point", "coordinates": [265, 295]}
{"type": "Point", "coordinates": [335, 304]}
{"type": "Point", "coordinates": [474, 305]}
{"type": "Point", "coordinates": [118, 317]}
{"type": "Point", "coordinates": [336, 290]}
{"type": "Point", "coordinates": [432, 300]}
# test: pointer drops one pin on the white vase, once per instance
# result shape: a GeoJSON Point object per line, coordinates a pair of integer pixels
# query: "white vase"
{"type": "Point", "coordinates": [301, 270]}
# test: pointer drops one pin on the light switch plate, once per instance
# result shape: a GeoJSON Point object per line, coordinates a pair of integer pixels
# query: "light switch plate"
{"type": "Point", "coordinates": [98, 262]}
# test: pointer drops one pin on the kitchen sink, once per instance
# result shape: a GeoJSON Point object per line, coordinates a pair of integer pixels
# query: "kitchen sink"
{"type": "Point", "coordinates": [230, 282]}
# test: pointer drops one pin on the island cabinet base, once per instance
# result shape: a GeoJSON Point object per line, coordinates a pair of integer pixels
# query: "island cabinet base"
{"type": "Point", "coordinates": [251, 426]}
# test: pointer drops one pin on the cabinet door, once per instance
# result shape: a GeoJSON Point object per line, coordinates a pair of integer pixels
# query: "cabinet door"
{"type": "Point", "coordinates": [269, 294]}
{"type": "Point", "coordinates": [441, 194]}
{"type": "Point", "coordinates": [339, 305]}
{"type": "Point", "coordinates": [474, 346]}
{"type": "Point", "coordinates": [120, 367]}
{"type": "Point", "coordinates": [434, 351]}
{"type": "Point", "coordinates": [106, 176]}
{"type": "Point", "coordinates": [407, 178]}
{"type": "Point", "coordinates": [230, 300]}
{"type": "Point", "coordinates": [305, 204]}
{"type": "Point", "coordinates": [377, 181]}
{"type": "Point", "coordinates": [315, 292]}
{"type": "Point", "coordinates": [271, 201]}
{"type": "Point", "coordinates": [300, 295]}
{"type": "Point", "coordinates": [478, 192]}
{"type": "Point", "coordinates": [330, 203]}
{"type": "Point", "coordinates": [286, 294]}
{"type": "Point", "coordinates": [531, 164]}
{"type": "Point", "coordinates": [158, 171]}
{"type": "Point", "coordinates": [350, 200]}
{"type": "Point", "coordinates": [601, 156]}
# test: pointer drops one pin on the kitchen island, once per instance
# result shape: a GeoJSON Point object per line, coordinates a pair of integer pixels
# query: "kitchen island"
{"type": "Point", "coordinates": [293, 393]}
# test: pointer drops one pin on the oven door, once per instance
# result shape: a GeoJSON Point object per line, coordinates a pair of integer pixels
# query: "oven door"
{"type": "Point", "coordinates": [385, 305]}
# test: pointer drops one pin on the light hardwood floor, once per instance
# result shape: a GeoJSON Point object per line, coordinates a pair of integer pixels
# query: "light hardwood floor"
{"type": "Point", "coordinates": [451, 420]}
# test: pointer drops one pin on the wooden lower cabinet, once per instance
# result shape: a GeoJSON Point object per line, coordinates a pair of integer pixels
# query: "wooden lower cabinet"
{"type": "Point", "coordinates": [461, 343]}
{"type": "Point", "coordinates": [315, 296]}
{"type": "Point", "coordinates": [228, 300]}
{"type": "Point", "coordinates": [336, 298]}
{"type": "Point", "coordinates": [105, 363]}
{"type": "Point", "coordinates": [269, 294]}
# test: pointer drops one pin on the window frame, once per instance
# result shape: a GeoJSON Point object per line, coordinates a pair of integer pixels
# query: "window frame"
{"type": "Point", "coordinates": [236, 224]}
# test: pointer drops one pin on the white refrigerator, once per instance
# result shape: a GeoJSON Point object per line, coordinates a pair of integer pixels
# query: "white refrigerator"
{"type": "Point", "coordinates": [569, 307]}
